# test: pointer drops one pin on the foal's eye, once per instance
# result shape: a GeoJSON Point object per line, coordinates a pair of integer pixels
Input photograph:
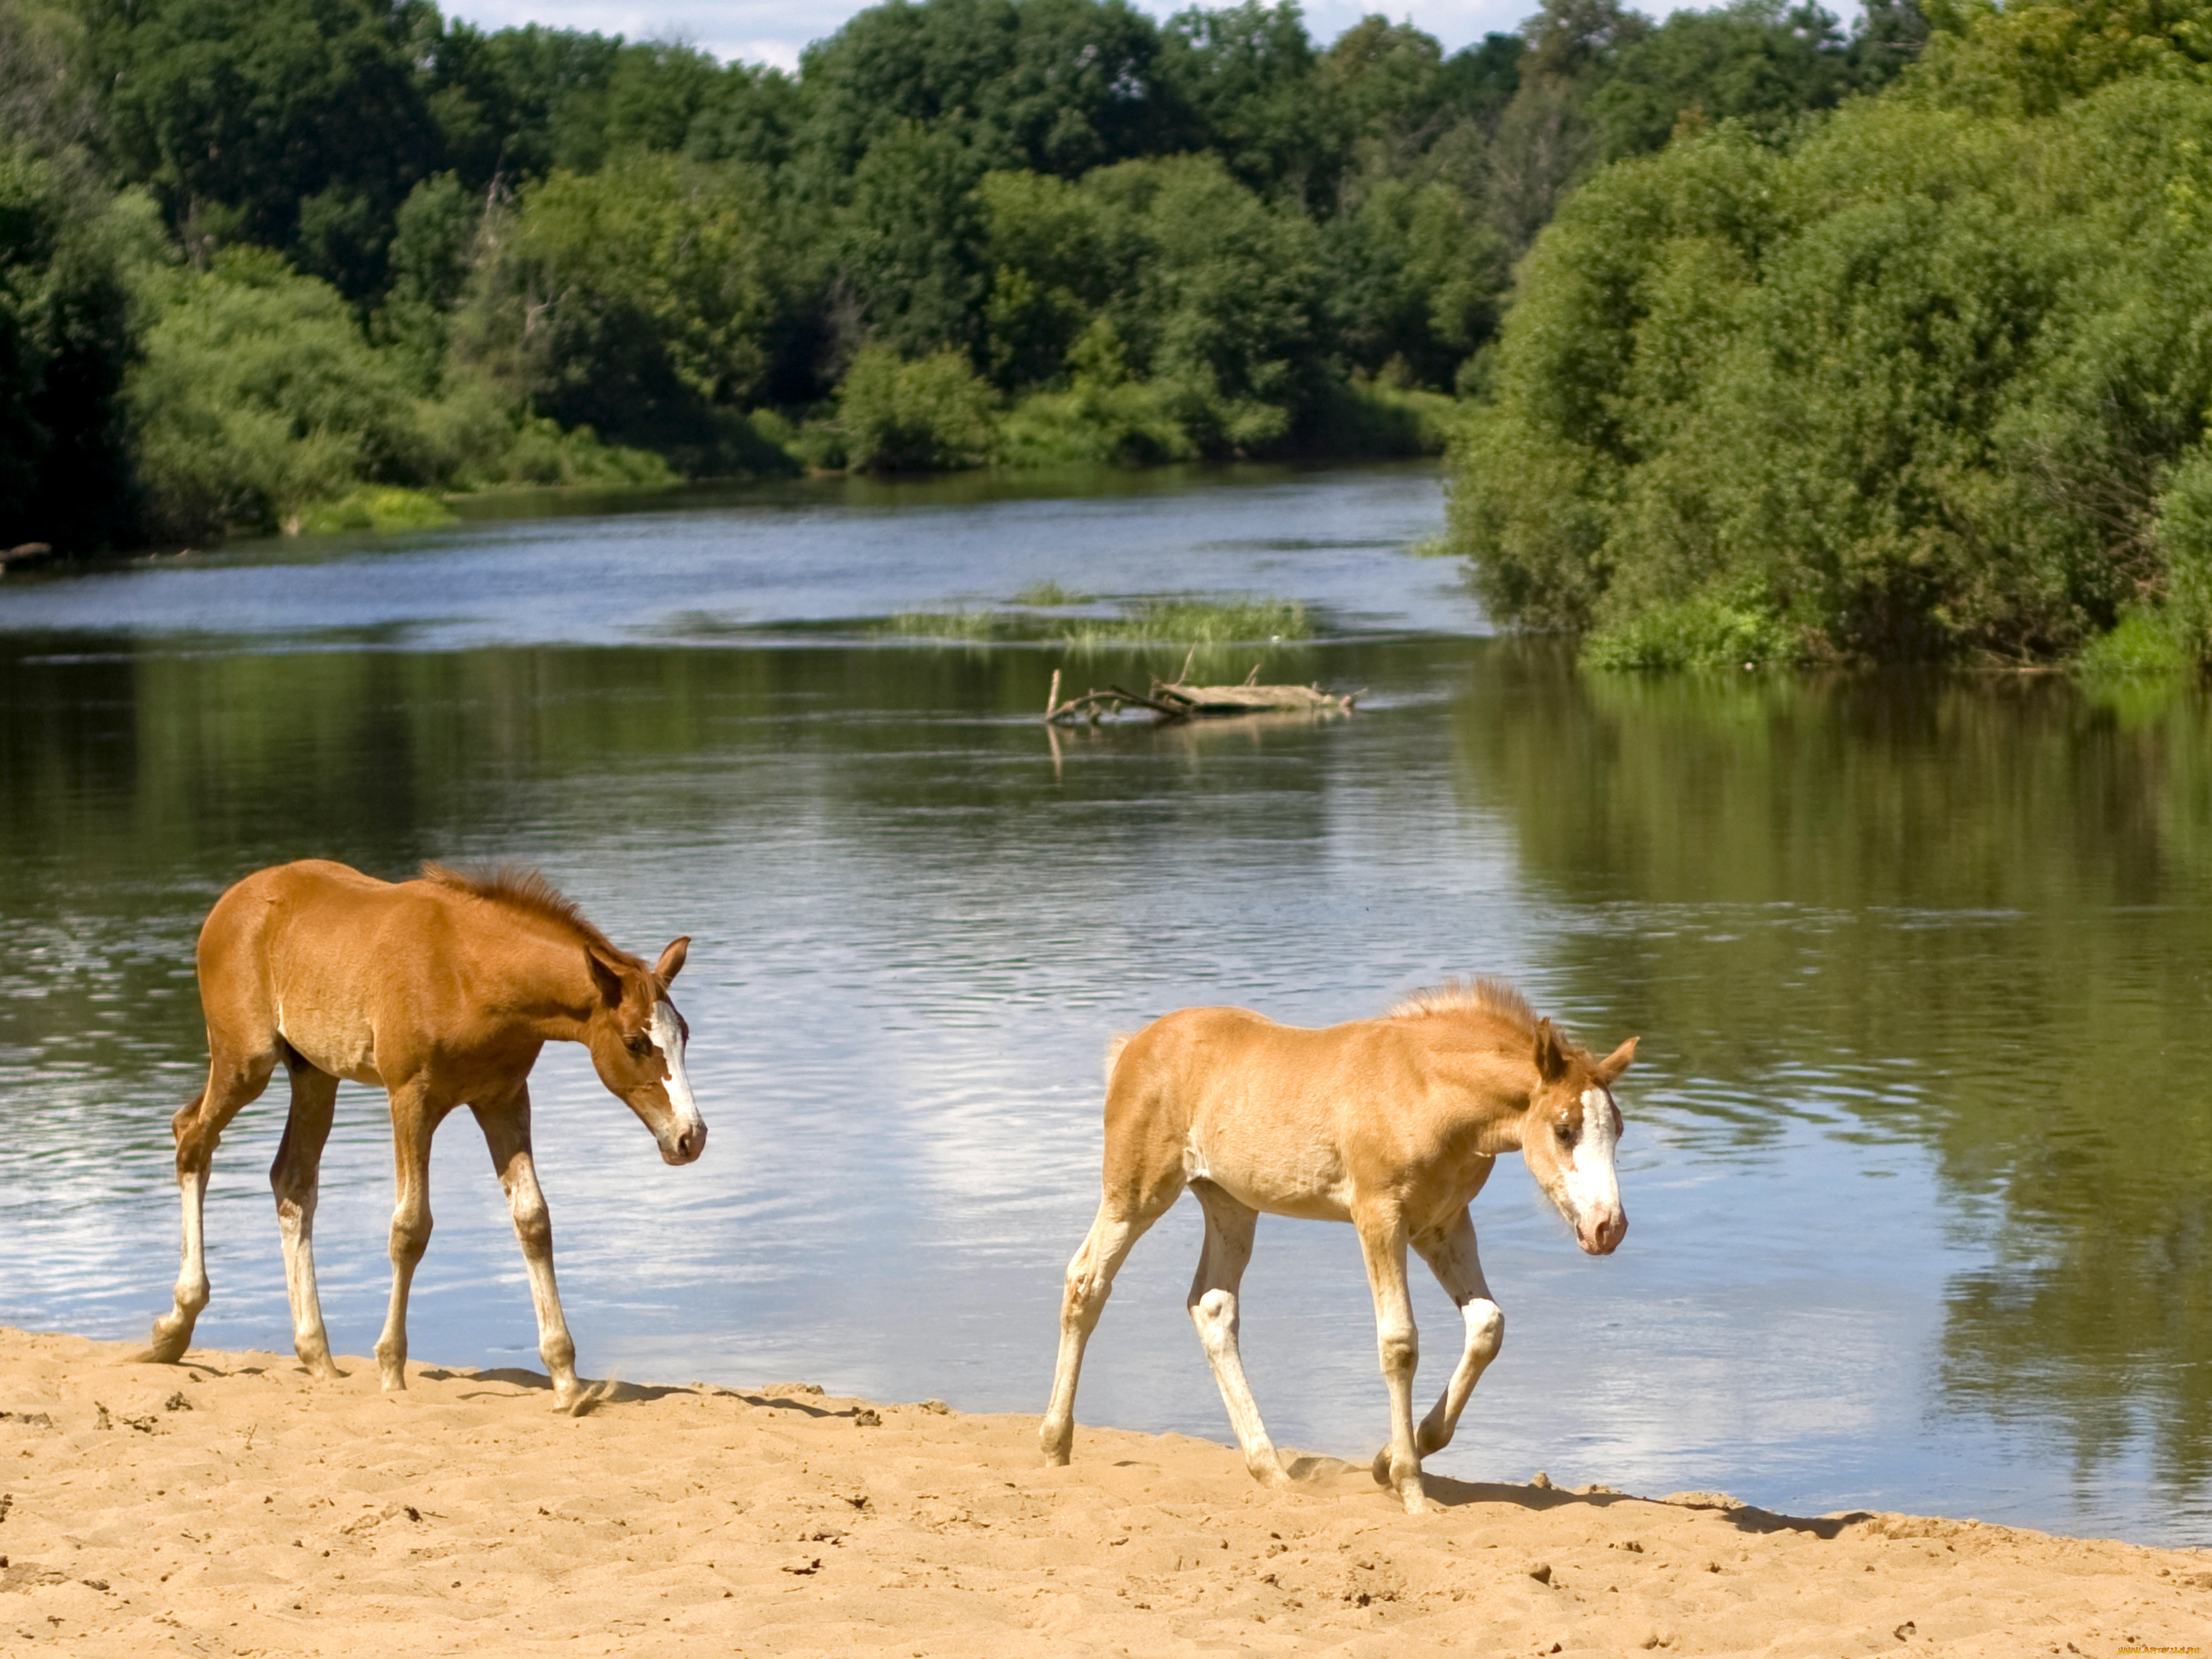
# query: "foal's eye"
{"type": "Point", "coordinates": [639, 1045]}
{"type": "Point", "coordinates": [1565, 1133]}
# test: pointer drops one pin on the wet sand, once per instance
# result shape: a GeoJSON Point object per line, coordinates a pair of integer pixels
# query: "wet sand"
{"type": "Point", "coordinates": [232, 1506]}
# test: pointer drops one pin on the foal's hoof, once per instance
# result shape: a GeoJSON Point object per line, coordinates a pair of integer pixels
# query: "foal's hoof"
{"type": "Point", "coordinates": [1056, 1443]}
{"type": "Point", "coordinates": [1407, 1485]}
{"type": "Point", "coordinates": [166, 1347]}
{"type": "Point", "coordinates": [1270, 1473]}
{"type": "Point", "coordinates": [580, 1400]}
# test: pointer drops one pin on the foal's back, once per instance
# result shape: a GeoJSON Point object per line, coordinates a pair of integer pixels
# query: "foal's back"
{"type": "Point", "coordinates": [1305, 1121]}
{"type": "Point", "coordinates": [353, 972]}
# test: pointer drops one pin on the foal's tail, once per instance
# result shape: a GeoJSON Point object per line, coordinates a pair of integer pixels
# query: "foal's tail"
{"type": "Point", "coordinates": [1115, 1044]}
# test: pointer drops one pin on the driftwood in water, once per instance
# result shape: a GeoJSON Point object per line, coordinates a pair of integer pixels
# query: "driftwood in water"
{"type": "Point", "coordinates": [1178, 700]}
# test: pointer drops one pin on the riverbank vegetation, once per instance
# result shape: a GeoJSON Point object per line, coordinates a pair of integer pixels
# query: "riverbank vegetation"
{"type": "Point", "coordinates": [1926, 379]}
{"type": "Point", "coordinates": [273, 265]}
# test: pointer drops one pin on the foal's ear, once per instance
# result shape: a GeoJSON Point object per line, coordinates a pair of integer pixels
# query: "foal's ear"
{"type": "Point", "coordinates": [1551, 1058]}
{"type": "Point", "coordinates": [672, 959]}
{"type": "Point", "coordinates": [606, 976]}
{"type": "Point", "coordinates": [1616, 1062]}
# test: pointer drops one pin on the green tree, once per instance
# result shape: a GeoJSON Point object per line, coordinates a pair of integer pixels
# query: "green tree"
{"type": "Point", "coordinates": [635, 301]}
{"type": "Point", "coordinates": [296, 124]}
{"type": "Point", "coordinates": [1753, 62]}
{"type": "Point", "coordinates": [434, 237]}
{"type": "Point", "coordinates": [1050, 86]}
{"type": "Point", "coordinates": [71, 261]}
{"type": "Point", "coordinates": [517, 103]}
{"type": "Point", "coordinates": [1059, 254]}
{"type": "Point", "coordinates": [911, 240]}
{"type": "Point", "coordinates": [1249, 73]}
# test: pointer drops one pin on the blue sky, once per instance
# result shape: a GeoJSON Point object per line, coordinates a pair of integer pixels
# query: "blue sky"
{"type": "Point", "coordinates": [772, 31]}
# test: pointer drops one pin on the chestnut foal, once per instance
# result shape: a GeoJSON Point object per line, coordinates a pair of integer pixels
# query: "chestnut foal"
{"type": "Point", "coordinates": [442, 991]}
{"type": "Point", "coordinates": [1392, 1124]}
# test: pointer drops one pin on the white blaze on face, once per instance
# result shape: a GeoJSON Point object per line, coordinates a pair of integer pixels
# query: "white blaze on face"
{"type": "Point", "coordinates": [668, 1037]}
{"type": "Point", "coordinates": [1593, 1189]}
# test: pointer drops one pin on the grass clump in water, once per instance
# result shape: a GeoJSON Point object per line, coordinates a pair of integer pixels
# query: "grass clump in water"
{"type": "Point", "coordinates": [1048, 595]}
{"type": "Point", "coordinates": [1196, 621]}
{"type": "Point", "coordinates": [1183, 621]}
{"type": "Point", "coordinates": [968, 627]}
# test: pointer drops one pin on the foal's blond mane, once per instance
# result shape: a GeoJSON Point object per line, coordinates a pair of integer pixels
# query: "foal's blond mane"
{"type": "Point", "coordinates": [1475, 996]}
{"type": "Point", "coordinates": [528, 892]}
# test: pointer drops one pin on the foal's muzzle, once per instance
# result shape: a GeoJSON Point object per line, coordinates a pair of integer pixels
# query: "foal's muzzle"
{"type": "Point", "coordinates": [1601, 1234]}
{"type": "Point", "coordinates": [685, 1145]}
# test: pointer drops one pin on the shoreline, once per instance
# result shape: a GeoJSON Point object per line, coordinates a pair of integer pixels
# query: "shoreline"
{"type": "Point", "coordinates": [230, 1504]}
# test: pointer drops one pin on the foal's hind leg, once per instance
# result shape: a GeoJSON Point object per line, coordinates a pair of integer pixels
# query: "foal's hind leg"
{"type": "Point", "coordinates": [506, 1126]}
{"type": "Point", "coordinates": [1221, 1263]}
{"type": "Point", "coordinates": [1124, 1215]}
{"type": "Point", "coordinates": [295, 1177]}
{"type": "Point", "coordinates": [1452, 1256]}
{"type": "Point", "coordinates": [233, 1080]}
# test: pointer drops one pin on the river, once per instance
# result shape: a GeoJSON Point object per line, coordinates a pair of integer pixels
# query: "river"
{"type": "Point", "coordinates": [1918, 1161]}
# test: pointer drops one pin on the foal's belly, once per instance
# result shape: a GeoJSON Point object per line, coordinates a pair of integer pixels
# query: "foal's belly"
{"type": "Point", "coordinates": [1307, 1183]}
{"type": "Point", "coordinates": [343, 1047]}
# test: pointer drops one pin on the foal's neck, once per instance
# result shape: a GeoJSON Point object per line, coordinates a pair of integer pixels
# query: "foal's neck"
{"type": "Point", "coordinates": [1490, 1087]}
{"type": "Point", "coordinates": [546, 984]}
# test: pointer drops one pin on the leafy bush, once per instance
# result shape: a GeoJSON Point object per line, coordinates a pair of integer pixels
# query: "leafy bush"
{"type": "Point", "coordinates": [1361, 417]}
{"type": "Point", "coordinates": [1916, 385]}
{"type": "Point", "coordinates": [2146, 641]}
{"type": "Point", "coordinates": [1704, 632]}
{"type": "Point", "coordinates": [1129, 423]}
{"type": "Point", "coordinates": [927, 416]}
{"type": "Point", "coordinates": [377, 508]}
{"type": "Point", "coordinates": [258, 396]}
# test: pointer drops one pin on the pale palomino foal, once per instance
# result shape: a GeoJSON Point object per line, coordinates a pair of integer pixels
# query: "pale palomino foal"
{"type": "Point", "coordinates": [442, 991]}
{"type": "Point", "coordinates": [1392, 1124]}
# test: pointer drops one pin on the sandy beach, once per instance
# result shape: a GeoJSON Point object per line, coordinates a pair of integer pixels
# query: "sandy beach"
{"type": "Point", "coordinates": [232, 1506]}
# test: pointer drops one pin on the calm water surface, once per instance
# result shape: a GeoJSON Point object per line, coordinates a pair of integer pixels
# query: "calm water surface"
{"type": "Point", "coordinates": [1919, 1158]}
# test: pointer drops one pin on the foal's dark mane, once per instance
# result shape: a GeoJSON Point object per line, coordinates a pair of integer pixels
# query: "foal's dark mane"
{"type": "Point", "coordinates": [528, 890]}
{"type": "Point", "coordinates": [1480, 996]}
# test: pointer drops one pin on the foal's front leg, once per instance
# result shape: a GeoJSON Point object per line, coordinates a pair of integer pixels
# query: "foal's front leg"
{"type": "Point", "coordinates": [1452, 1258]}
{"type": "Point", "coordinates": [1382, 1244]}
{"type": "Point", "coordinates": [506, 1126]}
{"type": "Point", "coordinates": [415, 1118]}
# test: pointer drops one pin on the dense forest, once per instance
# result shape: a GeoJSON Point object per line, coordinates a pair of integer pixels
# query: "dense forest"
{"type": "Point", "coordinates": [1927, 379]}
{"type": "Point", "coordinates": [271, 263]}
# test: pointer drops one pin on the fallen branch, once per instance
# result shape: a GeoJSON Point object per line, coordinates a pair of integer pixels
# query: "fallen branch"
{"type": "Point", "coordinates": [1178, 700]}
